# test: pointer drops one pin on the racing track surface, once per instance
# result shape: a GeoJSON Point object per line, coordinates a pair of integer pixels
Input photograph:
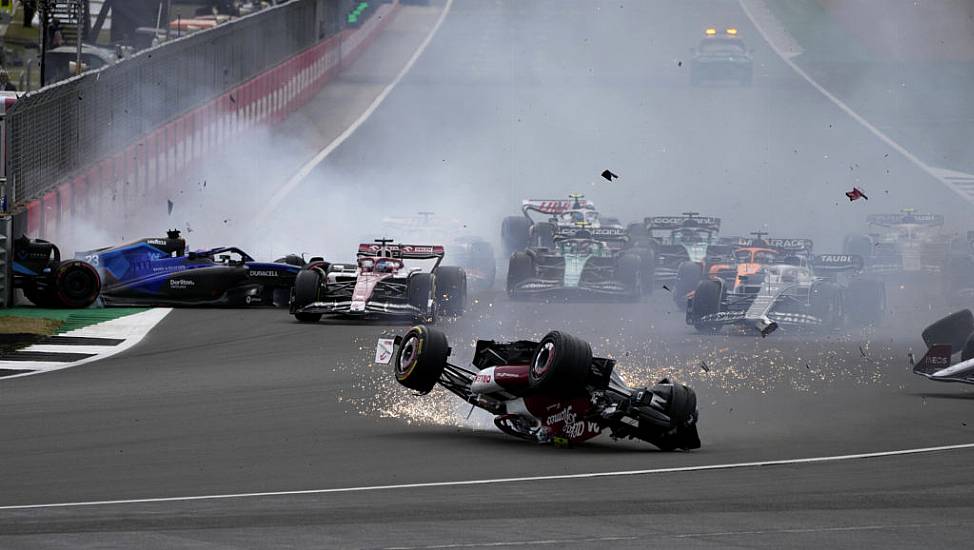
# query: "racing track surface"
{"type": "Point", "coordinates": [217, 402]}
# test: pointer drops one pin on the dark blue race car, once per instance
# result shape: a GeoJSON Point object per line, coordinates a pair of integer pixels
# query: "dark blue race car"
{"type": "Point", "coordinates": [160, 272]}
{"type": "Point", "coordinates": [47, 281]}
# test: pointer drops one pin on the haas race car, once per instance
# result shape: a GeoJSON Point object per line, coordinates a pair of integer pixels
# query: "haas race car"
{"type": "Point", "coordinates": [160, 272]}
{"type": "Point", "coordinates": [793, 291]}
{"type": "Point", "coordinates": [581, 264]}
{"type": "Point", "coordinates": [381, 284]}
{"type": "Point", "coordinates": [47, 281]}
{"type": "Point", "coordinates": [520, 232]}
{"type": "Point", "coordinates": [552, 391]}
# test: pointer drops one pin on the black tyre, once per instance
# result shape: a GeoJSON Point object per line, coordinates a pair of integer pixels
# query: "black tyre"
{"type": "Point", "coordinates": [954, 329]}
{"type": "Point", "coordinates": [860, 245]}
{"type": "Point", "coordinates": [421, 293]}
{"type": "Point", "coordinates": [421, 358]}
{"type": "Point", "coordinates": [40, 298]}
{"type": "Point", "coordinates": [629, 273]}
{"type": "Point", "coordinates": [824, 304]}
{"type": "Point", "coordinates": [515, 233]}
{"type": "Point", "coordinates": [561, 365]}
{"type": "Point", "coordinates": [451, 290]}
{"type": "Point", "coordinates": [520, 268]}
{"type": "Point", "coordinates": [307, 285]}
{"type": "Point", "coordinates": [688, 276]}
{"type": "Point", "coordinates": [76, 284]}
{"type": "Point", "coordinates": [706, 301]}
{"type": "Point", "coordinates": [543, 235]}
{"type": "Point", "coordinates": [866, 301]}
{"type": "Point", "coordinates": [681, 407]}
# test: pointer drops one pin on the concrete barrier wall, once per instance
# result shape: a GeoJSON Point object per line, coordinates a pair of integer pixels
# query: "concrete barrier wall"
{"type": "Point", "coordinates": [150, 167]}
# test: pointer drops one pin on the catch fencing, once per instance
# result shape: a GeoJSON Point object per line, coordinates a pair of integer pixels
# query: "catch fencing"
{"type": "Point", "coordinates": [89, 144]}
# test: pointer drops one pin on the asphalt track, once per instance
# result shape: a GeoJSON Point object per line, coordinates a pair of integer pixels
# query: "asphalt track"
{"type": "Point", "coordinates": [219, 402]}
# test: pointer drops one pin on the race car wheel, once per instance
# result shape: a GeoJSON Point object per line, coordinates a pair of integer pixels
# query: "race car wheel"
{"type": "Point", "coordinates": [40, 298]}
{"type": "Point", "coordinates": [688, 276]}
{"type": "Point", "coordinates": [681, 408]}
{"type": "Point", "coordinates": [520, 268]}
{"type": "Point", "coordinates": [954, 329]}
{"type": "Point", "coordinates": [76, 284]}
{"type": "Point", "coordinates": [860, 245]}
{"type": "Point", "coordinates": [560, 365]}
{"type": "Point", "coordinates": [421, 358]}
{"type": "Point", "coordinates": [516, 233]}
{"type": "Point", "coordinates": [706, 301]}
{"type": "Point", "coordinates": [629, 274]}
{"type": "Point", "coordinates": [421, 293]}
{"type": "Point", "coordinates": [866, 301]}
{"type": "Point", "coordinates": [451, 290]}
{"type": "Point", "coordinates": [306, 287]}
{"type": "Point", "coordinates": [543, 235]}
{"type": "Point", "coordinates": [824, 304]}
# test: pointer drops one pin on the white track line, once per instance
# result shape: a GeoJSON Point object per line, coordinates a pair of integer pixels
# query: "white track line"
{"type": "Point", "coordinates": [932, 171]}
{"type": "Point", "coordinates": [301, 174]}
{"type": "Point", "coordinates": [703, 468]}
{"type": "Point", "coordinates": [130, 328]}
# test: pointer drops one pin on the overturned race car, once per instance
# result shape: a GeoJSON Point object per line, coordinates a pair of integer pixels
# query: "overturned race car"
{"type": "Point", "coordinates": [552, 391]}
{"type": "Point", "coordinates": [381, 284]}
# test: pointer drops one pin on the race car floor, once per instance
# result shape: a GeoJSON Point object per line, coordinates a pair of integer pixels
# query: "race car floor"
{"type": "Point", "coordinates": [240, 401]}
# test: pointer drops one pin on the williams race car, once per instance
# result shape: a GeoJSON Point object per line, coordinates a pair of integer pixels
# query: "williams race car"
{"type": "Point", "coordinates": [160, 272]}
{"type": "Point", "coordinates": [798, 295]}
{"type": "Point", "coordinates": [552, 391]}
{"type": "Point", "coordinates": [721, 57]}
{"type": "Point", "coordinates": [904, 243]}
{"type": "Point", "coordinates": [47, 281]}
{"type": "Point", "coordinates": [381, 284]}
{"type": "Point", "coordinates": [474, 254]}
{"type": "Point", "coordinates": [950, 335]}
{"type": "Point", "coordinates": [577, 267]}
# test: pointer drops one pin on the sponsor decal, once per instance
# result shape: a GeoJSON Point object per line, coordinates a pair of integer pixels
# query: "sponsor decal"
{"type": "Point", "coordinates": [566, 415]}
{"type": "Point", "coordinates": [836, 258]}
{"type": "Point", "coordinates": [505, 374]}
{"type": "Point", "coordinates": [383, 351]}
{"type": "Point", "coordinates": [795, 244]}
{"type": "Point", "coordinates": [410, 249]}
{"type": "Point", "coordinates": [181, 283]}
{"type": "Point", "coordinates": [262, 273]}
{"type": "Point", "coordinates": [482, 379]}
{"type": "Point", "coordinates": [157, 241]}
{"type": "Point", "coordinates": [936, 360]}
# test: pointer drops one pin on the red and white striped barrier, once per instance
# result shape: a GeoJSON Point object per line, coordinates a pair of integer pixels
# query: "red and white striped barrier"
{"type": "Point", "coordinates": [153, 164]}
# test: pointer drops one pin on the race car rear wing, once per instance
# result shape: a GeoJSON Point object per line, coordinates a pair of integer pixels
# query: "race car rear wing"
{"type": "Point", "coordinates": [554, 207]}
{"type": "Point", "coordinates": [790, 245]}
{"type": "Point", "coordinates": [907, 218]}
{"type": "Point", "coordinates": [401, 251]}
{"type": "Point", "coordinates": [661, 223]}
{"type": "Point", "coordinates": [837, 263]}
{"type": "Point", "coordinates": [597, 233]}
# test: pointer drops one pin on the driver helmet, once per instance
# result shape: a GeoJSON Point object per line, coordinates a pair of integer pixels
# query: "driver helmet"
{"type": "Point", "coordinates": [366, 264]}
{"type": "Point", "coordinates": [386, 265]}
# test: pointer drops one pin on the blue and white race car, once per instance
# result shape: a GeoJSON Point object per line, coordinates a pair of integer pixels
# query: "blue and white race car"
{"type": "Point", "coordinates": [160, 272]}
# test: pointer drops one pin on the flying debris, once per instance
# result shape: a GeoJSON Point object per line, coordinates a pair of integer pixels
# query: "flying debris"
{"type": "Point", "coordinates": [169, 205]}
{"type": "Point", "coordinates": [609, 176]}
{"type": "Point", "coordinates": [704, 367]}
{"type": "Point", "coordinates": [666, 288]}
{"type": "Point", "coordinates": [862, 351]}
{"type": "Point", "coordinates": [855, 194]}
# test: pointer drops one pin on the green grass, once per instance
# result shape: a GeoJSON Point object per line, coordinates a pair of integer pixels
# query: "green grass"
{"type": "Point", "coordinates": [56, 321]}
